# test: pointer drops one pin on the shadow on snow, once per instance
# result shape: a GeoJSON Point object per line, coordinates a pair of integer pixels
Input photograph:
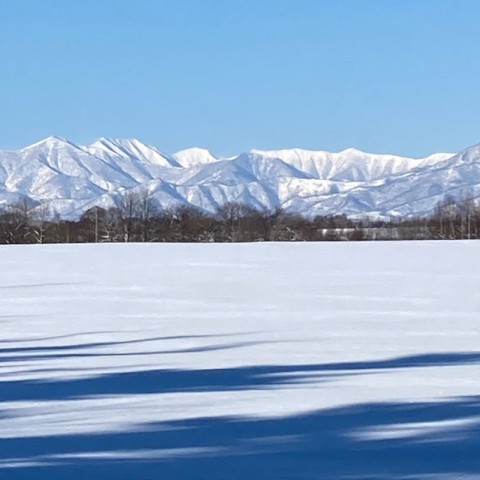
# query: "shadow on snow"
{"type": "Point", "coordinates": [320, 445]}
{"type": "Point", "coordinates": [419, 439]}
{"type": "Point", "coordinates": [211, 380]}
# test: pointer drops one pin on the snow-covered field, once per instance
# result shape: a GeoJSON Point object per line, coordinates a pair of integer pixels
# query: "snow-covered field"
{"type": "Point", "coordinates": [248, 361]}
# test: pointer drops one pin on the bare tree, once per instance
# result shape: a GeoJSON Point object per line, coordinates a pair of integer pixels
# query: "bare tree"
{"type": "Point", "coordinates": [147, 210]}
{"type": "Point", "coordinates": [15, 220]}
{"type": "Point", "coordinates": [129, 208]}
{"type": "Point", "coordinates": [231, 214]}
{"type": "Point", "coordinates": [41, 227]}
{"type": "Point", "coordinates": [113, 225]}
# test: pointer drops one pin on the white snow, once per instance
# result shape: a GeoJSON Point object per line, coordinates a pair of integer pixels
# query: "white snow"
{"type": "Point", "coordinates": [72, 178]}
{"type": "Point", "coordinates": [194, 156]}
{"type": "Point", "coordinates": [325, 360]}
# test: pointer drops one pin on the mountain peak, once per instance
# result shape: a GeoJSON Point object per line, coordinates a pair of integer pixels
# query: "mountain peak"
{"type": "Point", "coordinates": [130, 148]}
{"type": "Point", "coordinates": [52, 140]}
{"type": "Point", "coordinates": [190, 157]}
{"type": "Point", "coordinates": [124, 142]}
{"type": "Point", "coordinates": [353, 151]}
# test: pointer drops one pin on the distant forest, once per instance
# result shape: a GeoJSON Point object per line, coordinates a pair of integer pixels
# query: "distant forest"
{"type": "Point", "coordinates": [140, 219]}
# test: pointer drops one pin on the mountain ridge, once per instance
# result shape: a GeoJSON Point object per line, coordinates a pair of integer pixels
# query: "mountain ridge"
{"type": "Point", "coordinates": [68, 178]}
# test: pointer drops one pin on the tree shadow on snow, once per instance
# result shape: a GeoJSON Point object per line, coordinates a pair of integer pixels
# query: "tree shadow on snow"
{"type": "Point", "coordinates": [209, 380]}
{"type": "Point", "coordinates": [376, 440]}
{"type": "Point", "coordinates": [326, 444]}
{"type": "Point", "coordinates": [14, 354]}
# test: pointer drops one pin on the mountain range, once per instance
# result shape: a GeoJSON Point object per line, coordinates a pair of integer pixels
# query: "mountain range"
{"type": "Point", "coordinates": [68, 179]}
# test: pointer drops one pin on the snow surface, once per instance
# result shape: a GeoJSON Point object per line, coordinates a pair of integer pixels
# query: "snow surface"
{"type": "Point", "coordinates": [238, 361]}
{"type": "Point", "coordinates": [70, 179]}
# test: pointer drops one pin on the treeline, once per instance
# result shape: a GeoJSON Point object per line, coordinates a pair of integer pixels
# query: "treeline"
{"type": "Point", "coordinates": [140, 219]}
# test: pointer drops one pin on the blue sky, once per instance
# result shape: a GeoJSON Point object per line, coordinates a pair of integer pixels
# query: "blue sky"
{"type": "Point", "coordinates": [230, 75]}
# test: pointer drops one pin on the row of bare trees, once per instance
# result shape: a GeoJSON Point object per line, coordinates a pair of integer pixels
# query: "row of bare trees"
{"type": "Point", "coordinates": [139, 218]}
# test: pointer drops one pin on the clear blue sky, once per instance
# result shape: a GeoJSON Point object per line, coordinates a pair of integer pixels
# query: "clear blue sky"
{"type": "Point", "coordinates": [230, 75]}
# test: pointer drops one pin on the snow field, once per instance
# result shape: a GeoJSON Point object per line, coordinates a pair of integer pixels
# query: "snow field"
{"type": "Point", "coordinates": [119, 340]}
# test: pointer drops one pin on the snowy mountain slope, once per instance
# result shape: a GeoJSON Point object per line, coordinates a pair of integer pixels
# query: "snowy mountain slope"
{"type": "Point", "coordinates": [351, 164]}
{"type": "Point", "coordinates": [132, 149]}
{"type": "Point", "coordinates": [68, 178]}
{"type": "Point", "coordinates": [56, 168]}
{"type": "Point", "coordinates": [194, 156]}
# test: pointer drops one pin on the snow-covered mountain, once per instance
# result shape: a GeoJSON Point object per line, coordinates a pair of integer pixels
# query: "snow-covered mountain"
{"type": "Point", "coordinates": [69, 178]}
